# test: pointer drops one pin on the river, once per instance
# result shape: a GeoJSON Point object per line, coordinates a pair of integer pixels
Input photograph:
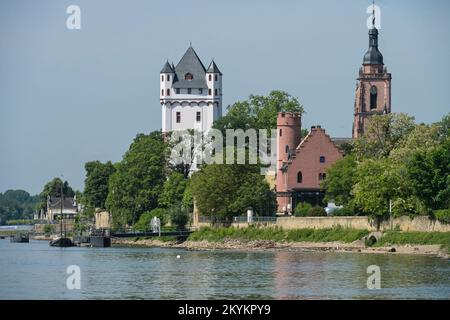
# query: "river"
{"type": "Point", "coordinates": [37, 271]}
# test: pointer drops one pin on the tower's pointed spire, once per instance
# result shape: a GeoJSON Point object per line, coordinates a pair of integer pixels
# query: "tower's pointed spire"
{"type": "Point", "coordinates": [213, 68]}
{"type": "Point", "coordinates": [373, 55]}
{"type": "Point", "coordinates": [167, 68]}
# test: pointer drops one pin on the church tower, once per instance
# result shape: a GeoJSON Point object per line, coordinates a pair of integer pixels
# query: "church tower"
{"type": "Point", "coordinates": [373, 91]}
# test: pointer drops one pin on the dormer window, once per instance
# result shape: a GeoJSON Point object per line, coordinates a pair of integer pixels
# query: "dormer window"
{"type": "Point", "coordinates": [188, 76]}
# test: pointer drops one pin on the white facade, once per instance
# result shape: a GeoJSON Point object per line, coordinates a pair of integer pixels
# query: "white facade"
{"type": "Point", "coordinates": [190, 95]}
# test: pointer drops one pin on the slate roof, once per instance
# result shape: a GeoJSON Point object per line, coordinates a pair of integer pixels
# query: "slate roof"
{"type": "Point", "coordinates": [55, 203]}
{"type": "Point", "coordinates": [167, 68]}
{"type": "Point", "coordinates": [373, 55]}
{"type": "Point", "coordinates": [190, 63]}
{"type": "Point", "coordinates": [213, 68]}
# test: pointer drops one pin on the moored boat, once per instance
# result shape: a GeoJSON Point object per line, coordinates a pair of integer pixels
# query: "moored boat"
{"type": "Point", "coordinates": [61, 242]}
{"type": "Point", "coordinates": [20, 238]}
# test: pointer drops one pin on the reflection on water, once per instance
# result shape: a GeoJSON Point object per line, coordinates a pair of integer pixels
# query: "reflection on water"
{"type": "Point", "coordinates": [37, 271]}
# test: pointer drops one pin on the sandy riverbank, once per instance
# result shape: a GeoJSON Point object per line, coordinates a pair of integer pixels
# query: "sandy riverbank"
{"type": "Point", "coordinates": [264, 245]}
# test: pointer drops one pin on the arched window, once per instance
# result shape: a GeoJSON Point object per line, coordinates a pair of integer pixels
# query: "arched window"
{"type": "Point", "coordinates": [162, 92]}
{"type": "Point", "coordinates": [215, 77]}
{"type": "Point", "coordinates": [299, 177]}
{"type": "Point", "coordinates": [287, 149]}
{"type": "Point", "coordinates": [281, 132]}
{"type": "Point", "coordinates": [162, 78]}
{"type": "Point", "coordinates": [168, 92]}
{"type": "Point", "coordinates": [168, 77]}
{"type": "Point", "coordinates": [209, 77]}
{"type": "Point", "coordinates": [373, 97]}
{"type": "Point", "coordinates": [209, 91]}
{"type": "Point", "coordinates": [188, 76]}
{"type": "Point", "coordinates": [215, 92]}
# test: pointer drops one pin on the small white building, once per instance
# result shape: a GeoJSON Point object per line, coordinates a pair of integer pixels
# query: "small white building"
{"type": "Point", "coordinates": [70, 208]}
{"type": "Point", "coordinates": [190, 95]}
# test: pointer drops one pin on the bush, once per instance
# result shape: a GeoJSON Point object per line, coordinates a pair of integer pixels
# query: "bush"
{"type": "Point", "coordinates": [442, 215]}
{"type": "Point", "coordinates": [317, 212]}
{"type": "Point", "coordinates": [179, 216]}
{"type": "Point", "coordinates": [343, 212]}
{"type": "Point", "coordinates": [301, 210]}
{"type": "Point", "coordinates": [48, 229]}
{"type": "Point", "coordinates": [144, 222]}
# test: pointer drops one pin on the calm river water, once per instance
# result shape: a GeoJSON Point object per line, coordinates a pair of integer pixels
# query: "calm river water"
{"type": "Point", "coordinates": [37, 271]}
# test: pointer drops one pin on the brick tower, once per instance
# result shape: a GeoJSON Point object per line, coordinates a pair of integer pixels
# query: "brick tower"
{"type": "Point", "coordinates": [373, 91]}
{"type": "Point", "coordinates": [289, 128]}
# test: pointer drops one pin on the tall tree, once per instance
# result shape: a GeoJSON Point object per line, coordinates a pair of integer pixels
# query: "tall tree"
{"type": "Point", "coordinates": [430, 176]}
{"type": "Point", "coordinates": [258, 112]}
{"type": "Point", "coordinates": [96, 183]}
{"type": "Point", "coordinates": [137, 183]}
{"type": "Point", "coordinates": [173, 190]}
{"type": "Point", "coordinates": [223, 191]}
{"type": "Point", "coordinates": [340, 179]}
{"type": "Point", "coordinates": [384, 133]}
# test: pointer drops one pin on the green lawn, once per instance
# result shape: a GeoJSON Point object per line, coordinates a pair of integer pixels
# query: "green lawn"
{"type": "Point", "coordinates": [278, 234]}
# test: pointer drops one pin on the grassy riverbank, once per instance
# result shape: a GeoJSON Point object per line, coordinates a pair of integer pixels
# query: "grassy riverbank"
{"type": "Point", "coordinates": [251, 233]}
{"type": "Point", "coordinates": [415, 238]}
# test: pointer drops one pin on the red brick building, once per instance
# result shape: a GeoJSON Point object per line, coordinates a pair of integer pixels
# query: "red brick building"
{"type": "Point", "coordinates": [302, 164]}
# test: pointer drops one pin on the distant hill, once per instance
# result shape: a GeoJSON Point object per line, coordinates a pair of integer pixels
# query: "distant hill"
{"type": "Point", "coordinates": [17, 204]}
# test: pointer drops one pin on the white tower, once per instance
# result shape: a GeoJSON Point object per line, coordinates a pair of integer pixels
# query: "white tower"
{"type": "Point", "coordinates": [190, 95]}
{"type": "Point", "coordinates": [214, 81]}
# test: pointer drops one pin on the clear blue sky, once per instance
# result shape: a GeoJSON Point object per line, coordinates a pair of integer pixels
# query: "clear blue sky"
{"type": "Point", "coordinates": [68, 97]}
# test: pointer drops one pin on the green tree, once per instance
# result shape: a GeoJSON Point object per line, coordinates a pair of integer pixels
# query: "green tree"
{"type": "Point", "coordinates": [339, 181]}
{"type": "Point", "coordinates": [137, 183]}
{"type": "Point", "coordinates": [377, 182]}
{"type": "Point", "coordinates": [179, 216]}
{"type": "Point", "coordinates": [188, 201]}
{"type": "Point", "coordinates": [144, 222]}
{"type": "Point", "coordinates": [173, 190]}
{"type": "Point", "coordinates": [223, 191]}
{"type": "Point", "coordinates": [17, 205]}
{"type": "Point", "coordinates": [96, 183]}
{"type": "Point", "coordinates": [429, 174]}
{"type": "Point", "coordinates": [258, 112]}
{"type": "Point", "coordinates": [384, 133]}
{"type": "Point", "coordinates": [444, 127]}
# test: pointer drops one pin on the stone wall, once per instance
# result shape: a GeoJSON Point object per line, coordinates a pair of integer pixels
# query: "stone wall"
{"type": "Point", "coordinates": [324, 222]}
{"type": "Point", "coordinates": [39, 227]}
{"type": "Point", "coordinates": [405, 223]}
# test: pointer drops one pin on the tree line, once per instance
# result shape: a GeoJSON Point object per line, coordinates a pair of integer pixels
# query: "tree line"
{"type": "Point", "coordinates": [397, 167]}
